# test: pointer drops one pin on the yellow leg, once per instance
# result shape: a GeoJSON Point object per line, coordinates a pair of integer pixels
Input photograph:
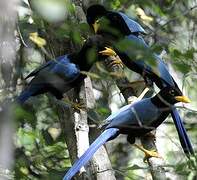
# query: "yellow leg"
{"type": "Point", "coordinates": [148, 153]}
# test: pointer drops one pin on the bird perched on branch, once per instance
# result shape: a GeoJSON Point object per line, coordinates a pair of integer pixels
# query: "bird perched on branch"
{"type": "Point", "coordinates": [63, 73]}
{"type": "Point", "coordinates": [124, 36]}
{"type": "Point", "coordinates": [134, 120]}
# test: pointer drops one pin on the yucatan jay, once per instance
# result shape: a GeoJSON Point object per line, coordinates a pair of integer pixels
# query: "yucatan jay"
{"type": "Point", "coordinates": [133, 120]}
{"type": "Point", "coordinates": [63, 73]}
{"type": "Point", "coordinates": [112, 23]}
{"type": "Point", "coordinates": [123, 34]}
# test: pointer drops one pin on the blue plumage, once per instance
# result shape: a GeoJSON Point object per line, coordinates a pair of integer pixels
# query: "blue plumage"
{"type": "Point", "coordinates": [25, 95]}
{"type": "Point", "coordinates": [184, 139]}
{"type": "Point", "coordinates": [55, 76]}
{"type": "Point", "coordinates": [156, 72]}
{"type": "Point", "coordinates": [117, 21]}
{"type": "Point", "coordinates": [105, 136]}
{"type": "Point", "coordinates": [133, 26]}
{"type": "Point", "coordinates": [136, 54]}
{"type": "Point", "coordinates": [133, 120]}
{"type": "Point", "coordinates": [63, 73]}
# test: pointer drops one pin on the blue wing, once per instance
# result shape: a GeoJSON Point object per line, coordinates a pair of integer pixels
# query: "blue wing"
{"type": "Point", "coordinates": [65, 69]}
{"type": "Point", "coordinates": [137, 56]}
{"type": "Point", "coordinates": [26, 94]}
{"type": "Point", "coordinates": [164, 72]}
{"type": "Point", "coordinates": [49, 63]}
{"type": "Point", "coordinates": [55, 76]}
{"type": "Point", "coordinates": [36, 71]}
{"type": "Point", "coordinates": [105, 136]}
{"type": "Point", "coordinates": [133, 26]}
{"type": "Point", "coordinates": [158, 73]}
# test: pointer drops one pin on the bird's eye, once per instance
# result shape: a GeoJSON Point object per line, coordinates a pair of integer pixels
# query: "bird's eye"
{"type": "Point", "coordinates": [172, 92]}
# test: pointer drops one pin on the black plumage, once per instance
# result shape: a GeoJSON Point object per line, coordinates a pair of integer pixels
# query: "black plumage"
{"type": "Point", "coordinates": [134, 120]}
{"type": "Point", "coordinates": [63, 73]}
{"type": "Point", "coordinates": [124, 36]}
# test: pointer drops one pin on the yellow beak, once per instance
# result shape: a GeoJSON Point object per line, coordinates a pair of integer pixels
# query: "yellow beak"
{"type": "Point", "coordinates": [183, 99]}
{"type": "Point", "coordinates": [96, 26]}
{"type": "Point", "coordinates": [108, 52]}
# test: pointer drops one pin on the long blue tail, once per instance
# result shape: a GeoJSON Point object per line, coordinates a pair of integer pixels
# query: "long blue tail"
{"type": "Point", "coordinates": [183, 137]}
{"type": "Point", "coordinates": [106, 135]}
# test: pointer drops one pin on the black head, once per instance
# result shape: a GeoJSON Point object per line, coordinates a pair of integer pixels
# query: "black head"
{"type": "Point", "coordinates": [111, 22]}
{"type": "Point", "coordinates": [169, 96]}
{"type": "Point", "coordinates": [94, 12]}
{"type": "Point", "coordinates": [89, 53]}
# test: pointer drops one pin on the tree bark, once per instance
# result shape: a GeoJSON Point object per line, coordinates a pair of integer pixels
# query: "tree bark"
{"type": "Point", "coordinates": [7, 85]}
{"type": "Point", "coordinates": [76, 128]}
{"type": "Point", "coordinates": [148, 142]}
{"type": "Point", "coordinates": [75, 124]}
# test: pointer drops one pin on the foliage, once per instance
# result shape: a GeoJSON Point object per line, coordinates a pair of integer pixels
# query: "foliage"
{"type": "Point", "coordinates": [41, 152]}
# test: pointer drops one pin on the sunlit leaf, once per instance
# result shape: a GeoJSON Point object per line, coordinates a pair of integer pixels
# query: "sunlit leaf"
{"type": "Point", "coordinates": [140, 12]}
{"type": "Point", "coordinates": [40, 42]}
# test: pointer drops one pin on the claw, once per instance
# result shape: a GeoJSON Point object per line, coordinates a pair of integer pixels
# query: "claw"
{"type": "Point", "coordinates": [74, 105]}
{"type": "Point", "coordinates": [148, 153]}
{"type": "Point", "coordinates": [111, 52]}
{"type": "Point", "coordinates": [116, 61]}
{"type": "Point", "coordinates": [108, 52]}
{"type": "Point", "coordinates": [79, 106]}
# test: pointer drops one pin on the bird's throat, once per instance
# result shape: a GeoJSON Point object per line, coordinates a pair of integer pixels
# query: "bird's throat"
{"type": "Point", "coordinates": [161, 103]}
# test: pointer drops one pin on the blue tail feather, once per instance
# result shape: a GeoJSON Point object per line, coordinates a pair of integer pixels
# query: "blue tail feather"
{"type": "Point", "coordinates": [24, 96]}
{"type": "Point", "coordinates": [27, 93]}
{"type": "Point", "coordinates": [105, 136]}
{"type": "Point", "coordinates": [184, 139]}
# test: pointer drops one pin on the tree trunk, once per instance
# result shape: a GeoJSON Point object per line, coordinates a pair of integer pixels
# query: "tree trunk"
{"type": "Point", "coordinates": [7, 84]}
{"type": "Point", "coordinates": [79, 127]}
{"type": "Point", "coordinates": [76, 128]}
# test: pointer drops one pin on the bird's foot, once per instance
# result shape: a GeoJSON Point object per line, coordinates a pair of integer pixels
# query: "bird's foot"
{"type": "Point", "coordinates": [148, 153]}
{"type": "Point", "coordinates": [108, 52]}
{"type": "Point", "coordinates": [116, 62]}
{"type": "Point", "coordinates": [77, 106]}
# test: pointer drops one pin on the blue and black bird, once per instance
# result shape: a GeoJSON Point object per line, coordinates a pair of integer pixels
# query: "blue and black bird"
{"type": "Point", "coordinates": [133, 120]}
{"type": "Point", "coordinates": [124, 36]}
{"type": "Point", "coordinates": [63, 73]}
